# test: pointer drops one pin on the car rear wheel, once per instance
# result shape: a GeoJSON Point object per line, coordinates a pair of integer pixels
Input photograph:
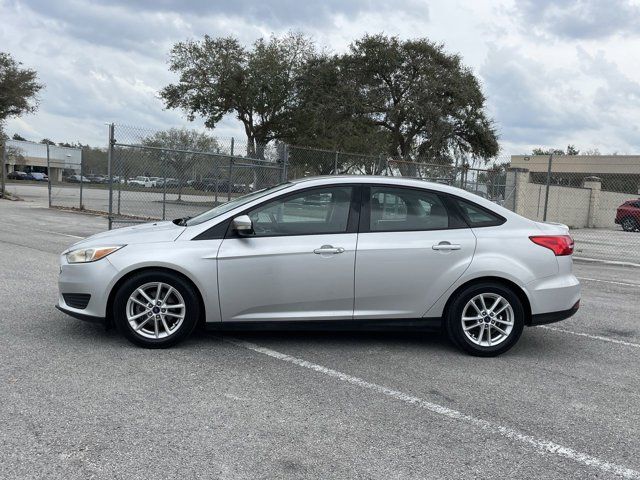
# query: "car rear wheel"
{"type": "Point", "coordinates": [629, 224]}
{"type": "Point", "coordinates": [156, 309]}
{"type": "Point", "coordinates": [485, 319]}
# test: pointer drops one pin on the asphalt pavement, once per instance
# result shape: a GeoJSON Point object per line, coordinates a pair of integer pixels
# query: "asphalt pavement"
{"type": "Point", "coordinates": [77, 401]}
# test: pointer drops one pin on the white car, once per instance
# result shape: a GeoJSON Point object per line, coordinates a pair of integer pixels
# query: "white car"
{"type": "Point", "coordinates": [332, 252]}
{"type": "Point", "coordinates": [141, 181]}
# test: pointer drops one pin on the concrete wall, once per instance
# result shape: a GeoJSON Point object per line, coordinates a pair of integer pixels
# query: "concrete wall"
{"type": "Point", "coordinates": [586, 207]}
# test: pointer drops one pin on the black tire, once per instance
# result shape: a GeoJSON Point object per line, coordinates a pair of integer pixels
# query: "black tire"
{"type": "Point", "coordinates": [185, 289]}
{"type": "Point", "coordinates": [453, 319]}
{"type": "Point", "coordinates": [629, 224]}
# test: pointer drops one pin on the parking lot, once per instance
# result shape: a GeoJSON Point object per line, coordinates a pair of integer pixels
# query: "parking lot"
{"type": "Point", "coordinates": [81, 402]}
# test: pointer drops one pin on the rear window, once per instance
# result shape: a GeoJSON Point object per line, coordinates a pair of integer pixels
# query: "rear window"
{"type": "Point", "coordinates": [477, 216]}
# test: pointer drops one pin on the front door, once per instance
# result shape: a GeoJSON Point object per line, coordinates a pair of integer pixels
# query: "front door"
{"type": "Point", "coordinates": [410, 251]}
{"type": "Point", "coordinates": [299, 262]}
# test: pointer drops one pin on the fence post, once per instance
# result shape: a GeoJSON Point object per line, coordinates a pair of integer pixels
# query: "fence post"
{"type": "Point", "coordinates": [81, 179]}
{"type": "Point", "coordinates": [285, 163]}
{"type": "Point", "coordinates": [164, 187]}
{"type": "Point", "coordinates": [110, 173]}
{"type": "Point", "coordinates": [546, 195]}
{"type": "Point", "coordinates": [335, 164]}
{"type": "Point", "coordinates": [230, 171]}
{"type": "Point", "coordinates": [49, 170]}
{"type": "Point", "coordinates": [3, 164]}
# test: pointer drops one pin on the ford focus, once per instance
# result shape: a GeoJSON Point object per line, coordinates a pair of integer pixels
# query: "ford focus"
{"type": "Point", "coordinates": [329, 252]}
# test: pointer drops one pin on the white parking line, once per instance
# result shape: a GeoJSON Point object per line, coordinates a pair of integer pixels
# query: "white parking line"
{"type": "Point", "coordinates": [592, 337]}
{"type": "Point", "coordinates": [609, 281]}
{"type": "Point", "coordinates": [44, 231]}
{"type": "Point", "coordinates": [541, 445]}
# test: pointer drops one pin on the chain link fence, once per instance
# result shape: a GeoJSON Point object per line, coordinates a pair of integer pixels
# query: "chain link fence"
{"type": "Point", "coordinates": [147, 174]}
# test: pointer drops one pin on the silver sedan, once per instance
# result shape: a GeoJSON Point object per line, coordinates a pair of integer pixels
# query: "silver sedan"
{"type": "Point", "coordinates": [333, 252]}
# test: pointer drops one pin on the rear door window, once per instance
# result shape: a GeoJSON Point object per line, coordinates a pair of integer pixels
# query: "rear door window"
{"type": "Point", "coordinates": [395, 209]}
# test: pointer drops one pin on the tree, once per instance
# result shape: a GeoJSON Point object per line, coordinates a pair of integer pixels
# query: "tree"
{"type": "Point", "coordinates": [19, 88]}
{"type": "Point", "coordinates": [46, 141]}
{"type": "Point", "coordinates": [430, 105]}
{"type": "Point", "coordinates": [179, 152]}
{"type": "Point", "coordinates": [19, 137]}
{"type": "Point", "coordinates": [571, 150]}
{"type": "Point", "coordinates": [324, 118]}
{"type": "Point", "coordinates": [219, 76]}
{"type": "Point", "coordinates": [592, 151]}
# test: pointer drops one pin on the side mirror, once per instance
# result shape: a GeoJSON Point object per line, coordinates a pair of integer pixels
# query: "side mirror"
{"type": "Point", "coordinates": [243, 225]}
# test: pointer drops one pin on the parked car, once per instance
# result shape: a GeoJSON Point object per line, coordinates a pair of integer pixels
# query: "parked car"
{"type": "Point", "coordinates": [386, 252]}
{"type": "Point", "coordinates": [77, 179]}
{"type": "Point", "coordinates": [17, 175]}
{"type": "Point", "coordinates": [170, 182]}
{"type": "Point", "coordinates": [39, 177]}
{"type": "Point", "coordinates": [628, 215]}
{"type": "Point", "coordinates": [141, 181]}
{"type": "Point", "coordinates": [98, 178]}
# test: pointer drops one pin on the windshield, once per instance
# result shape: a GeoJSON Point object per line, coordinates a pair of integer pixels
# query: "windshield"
{"type": "Point", "coordinates": [236, 202]}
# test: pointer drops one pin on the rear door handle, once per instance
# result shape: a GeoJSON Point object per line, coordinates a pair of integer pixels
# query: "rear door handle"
{"type": "Point", "coordinates": [446, 246]}
{"type": "Point", "coordinates": [325, 249]}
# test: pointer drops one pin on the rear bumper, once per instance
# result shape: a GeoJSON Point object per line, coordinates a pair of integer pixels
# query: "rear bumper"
{"type": "Point", "coordinates": [552, 317]}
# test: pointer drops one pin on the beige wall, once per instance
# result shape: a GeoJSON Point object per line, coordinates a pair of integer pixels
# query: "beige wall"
{"type": "Point", "coordinates": [576, 207]}
{"type": "Point", "coordinates": [566, 205]}
{"type": "Point", "coordinates": [605, 215]}
{"type": "Point", "coordinates": [584, 164]}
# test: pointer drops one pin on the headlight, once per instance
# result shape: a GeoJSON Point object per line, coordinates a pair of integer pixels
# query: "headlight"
{"type": "Point", "coordinates": [85, 255]}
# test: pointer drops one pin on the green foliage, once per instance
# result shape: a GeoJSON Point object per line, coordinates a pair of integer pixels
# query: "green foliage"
{"type": "Point", "coordinates": [219, 76]}
{"type": "Point", "coordinates": [428, 102]}
{"type": "Point", "coordinates": [18, 137]}
{"type": "Point", "coordinates": [571, 150]}
{"type": "Point", "coordinates": [18, 89]}
{"type": "Point", "coordinates": [407, 99]}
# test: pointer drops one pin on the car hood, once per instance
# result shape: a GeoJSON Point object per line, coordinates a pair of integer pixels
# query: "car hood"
{"type": "Point", "coordinates": [145, 233]}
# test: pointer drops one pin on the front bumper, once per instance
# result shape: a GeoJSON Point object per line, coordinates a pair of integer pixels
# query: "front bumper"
{"type": "Point", "coordinates": [93, 278]}
{"type": "Point", "coordinates": [80, 316]}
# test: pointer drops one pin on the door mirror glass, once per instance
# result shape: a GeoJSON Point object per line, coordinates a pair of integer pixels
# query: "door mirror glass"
{"type": "Point", "coordinates": [243, 225]}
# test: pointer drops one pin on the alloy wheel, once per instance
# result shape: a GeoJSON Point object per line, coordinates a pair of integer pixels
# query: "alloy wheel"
{"type": "Point", "coordinates": [155, 310]}
{"type": "Point", "coordinates": [487, 319]}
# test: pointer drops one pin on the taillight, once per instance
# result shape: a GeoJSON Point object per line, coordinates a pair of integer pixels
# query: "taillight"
{"type": "Point", "coordinates": [559, 244]}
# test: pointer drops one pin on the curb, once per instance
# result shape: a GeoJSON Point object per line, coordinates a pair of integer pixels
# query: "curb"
{"type": "Point", "coordinates": [607, 262]}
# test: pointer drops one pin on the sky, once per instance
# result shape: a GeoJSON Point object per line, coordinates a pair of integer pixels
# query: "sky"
{"type": "Point", "coordinates": [554, 72]}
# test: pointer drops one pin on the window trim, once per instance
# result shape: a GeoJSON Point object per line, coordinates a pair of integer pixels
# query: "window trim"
{"type": "Point", "coordinates": [365, 216]}
{"type": "Point", "coordinates": [352, 220]}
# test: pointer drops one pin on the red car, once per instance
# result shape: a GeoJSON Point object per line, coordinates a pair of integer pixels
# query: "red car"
{"type": "Point", "coordinates": [628, 215]}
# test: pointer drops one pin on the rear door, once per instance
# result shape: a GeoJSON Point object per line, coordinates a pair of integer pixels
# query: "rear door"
{"type": "Point", "coordinates": [412, 247]}
{"type": "Point", "coordinates": [299, 262]}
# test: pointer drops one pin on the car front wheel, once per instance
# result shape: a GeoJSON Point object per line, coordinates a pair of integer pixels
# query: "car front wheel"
{"type": "Point", "coordinates": [485, 319]}
{"type": "Point", "coordinates": [156, 309]}
{"type": "Point", "coordinates": [629, 225]}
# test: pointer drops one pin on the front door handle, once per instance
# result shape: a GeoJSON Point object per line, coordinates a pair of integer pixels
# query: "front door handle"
{"type": "Point", "coordinates": [446, 246]}
{"type": "Point", "coordinates": [328, 249]}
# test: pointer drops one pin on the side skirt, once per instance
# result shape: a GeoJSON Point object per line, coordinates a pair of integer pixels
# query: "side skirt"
{"type": "Point", "coordinates": [381, 325]}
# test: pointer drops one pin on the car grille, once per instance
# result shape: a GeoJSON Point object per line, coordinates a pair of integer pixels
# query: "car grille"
{"type": "Point", "coordinates": [76, 300]}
